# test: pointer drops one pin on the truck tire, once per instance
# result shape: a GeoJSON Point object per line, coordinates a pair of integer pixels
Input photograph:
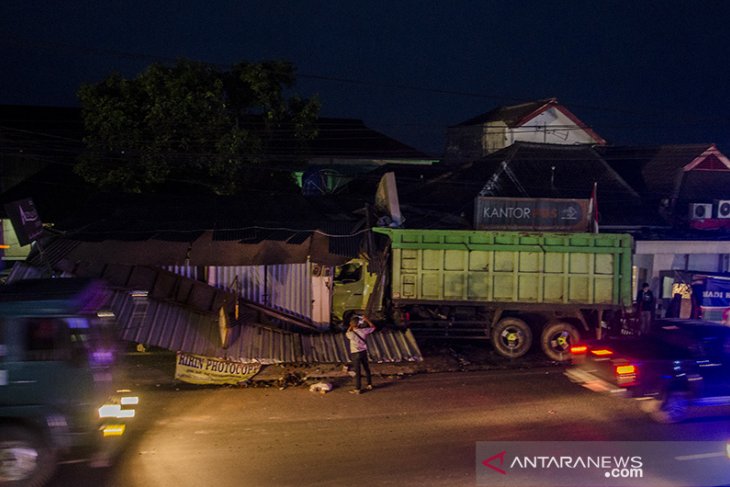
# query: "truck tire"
{"type": "Point", "coordinates": [25, 458]}
{"type": "Point", "coordinates": [511, 337]}
{"type": "Point", "coordinates": [556, 340]}
{"type": "Point", "coordinates": [672, 408]}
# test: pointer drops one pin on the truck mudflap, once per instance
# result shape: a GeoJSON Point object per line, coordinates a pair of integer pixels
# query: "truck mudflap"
{"type": "Point", "coordinates": [595, 384]}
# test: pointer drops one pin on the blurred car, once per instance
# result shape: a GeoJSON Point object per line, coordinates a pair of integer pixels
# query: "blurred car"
{"type": "Point", "coordinates": [58, 398]}
{"type": "Point", "coordinates": [681, 364]}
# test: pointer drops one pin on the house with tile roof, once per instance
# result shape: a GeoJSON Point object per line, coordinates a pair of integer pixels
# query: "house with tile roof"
{"type": "Point", "coordinates": [542, 121]}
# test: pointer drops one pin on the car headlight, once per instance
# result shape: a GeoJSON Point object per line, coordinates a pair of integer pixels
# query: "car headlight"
{"type": "Point", "coordinates": [115, 411]}
{"type": "Point", "coordinates": [118, 406]}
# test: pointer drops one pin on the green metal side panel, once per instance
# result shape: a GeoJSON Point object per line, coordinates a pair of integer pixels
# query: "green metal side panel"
{"type": "Point", "coordinates": [511, 267]}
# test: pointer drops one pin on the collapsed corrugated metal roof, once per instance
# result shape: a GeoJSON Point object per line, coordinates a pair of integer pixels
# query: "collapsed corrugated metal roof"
{"type": "Point", "coordinates": [179, 328]}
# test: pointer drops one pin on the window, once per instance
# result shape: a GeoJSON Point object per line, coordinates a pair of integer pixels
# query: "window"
{"type": "Point", "coordinates": [349, 273]}
{"type": "Point", "coordinates": [47, 339]}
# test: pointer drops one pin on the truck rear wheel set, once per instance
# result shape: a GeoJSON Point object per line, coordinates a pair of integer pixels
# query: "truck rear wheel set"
{"type": "Point", "coordinates": [556, 340]}
{"type": "Point", "coordinates": [511, 337]}
{"type": "Point", "coordinates": [25, 458]}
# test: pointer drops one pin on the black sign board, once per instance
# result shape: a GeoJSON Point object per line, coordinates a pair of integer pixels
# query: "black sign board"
{"type": "Point", "coordinates": [570, 215]}
{"type": "Point", "coordinates": [25, 219]}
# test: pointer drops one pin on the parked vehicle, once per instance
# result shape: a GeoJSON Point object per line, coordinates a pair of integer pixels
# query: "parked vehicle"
{"type": "Point", "coordinates": [505, 286]}
{"type": "Point", "coordinates": [680, 365]}
{"type": "Point", "coordinates": [58, 398]}
{"type": "Point", "coordinates": [696, 294]}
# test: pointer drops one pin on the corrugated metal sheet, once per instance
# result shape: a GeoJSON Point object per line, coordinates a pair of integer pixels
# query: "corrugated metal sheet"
{"type": "Point", "coordinates": [54, 250]}
{"type": "Point", "coordinates": [189, 271]}
{"type": "Point", "coordinates": [286, 287]}
{"type": "Point", "coordinates": [21, 270]}
{"type": "Point", "coordinates": [177, 328]}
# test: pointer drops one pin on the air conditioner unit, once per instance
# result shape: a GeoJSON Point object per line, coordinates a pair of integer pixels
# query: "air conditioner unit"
{"type": "Point", "coordinates": [723, 209]}
{"type": "Point", "coordinates": [700, 211]}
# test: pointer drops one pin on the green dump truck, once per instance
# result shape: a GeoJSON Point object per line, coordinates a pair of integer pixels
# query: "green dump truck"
{"type": "Point", "coordinates": [505, 286]}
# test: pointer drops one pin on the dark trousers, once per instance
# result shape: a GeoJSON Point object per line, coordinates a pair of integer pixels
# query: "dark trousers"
{"type": "Point", "coordinates": [645, 320]}
{"type": "Point", "coordinates": [360, 359]}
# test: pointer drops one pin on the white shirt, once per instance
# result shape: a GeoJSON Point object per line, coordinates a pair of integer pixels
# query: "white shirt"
{"type": "Point", "coordinates": [358, 339]}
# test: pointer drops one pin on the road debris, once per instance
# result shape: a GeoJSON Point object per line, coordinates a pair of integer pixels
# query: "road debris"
{"type": "Point", "coordinates": [321, 387]}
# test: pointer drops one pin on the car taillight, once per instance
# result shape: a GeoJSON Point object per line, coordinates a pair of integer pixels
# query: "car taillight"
{"type": "Point", "coordinates": [625, 369]}
{"type": "Point", "coordinates": [626, 374]}
{"type": "Point", "coordinates": [578, 349]}
{"type": "Point", "coordinates": [602, 352]}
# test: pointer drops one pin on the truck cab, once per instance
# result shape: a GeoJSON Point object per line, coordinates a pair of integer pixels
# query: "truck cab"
{"type": "Point", "coordinates": [58, 397]}
{"type": "Point", "coordinates": [353, 285]}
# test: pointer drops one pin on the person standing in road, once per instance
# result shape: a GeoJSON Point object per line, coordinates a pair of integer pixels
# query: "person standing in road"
{"type": "Point", "coordinates": [358, 334]}
{"type": "Point", "coordinates": [645, 306]}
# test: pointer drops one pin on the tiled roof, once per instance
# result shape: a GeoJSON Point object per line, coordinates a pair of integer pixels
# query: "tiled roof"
{"type": "Point", "coordinates": [652, 170]}
{"type": "Point", "coordinates": [253, 215]}
{"type": "Point", "coordinates": [533, 171]}
{"type": "Point", "coordinates": [251, 229]}
{"type": "Point", "coordinates": [352, 139]}
{"type": "Point", "coordinates": [705, 186]}
{"type": "Point", "coordinates": [510, 115]}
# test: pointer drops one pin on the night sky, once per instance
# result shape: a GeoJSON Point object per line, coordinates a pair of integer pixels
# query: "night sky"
{"type": "Point", "coordinates": [638, 72]}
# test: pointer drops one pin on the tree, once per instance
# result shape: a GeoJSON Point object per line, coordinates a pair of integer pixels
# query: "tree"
{"type": "Point", "coordinates": [194, 124]}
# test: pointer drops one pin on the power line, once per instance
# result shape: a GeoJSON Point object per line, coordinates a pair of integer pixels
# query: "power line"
{"type": "Point", "coordinates": [135, 56]}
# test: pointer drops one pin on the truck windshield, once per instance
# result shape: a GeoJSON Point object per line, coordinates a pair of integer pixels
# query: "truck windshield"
{"type": "Point", "coordinates": [350, 272]}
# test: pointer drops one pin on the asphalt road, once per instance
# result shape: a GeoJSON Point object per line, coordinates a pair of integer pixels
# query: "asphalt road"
{"type": "Point", "coordinates": [419, 430]}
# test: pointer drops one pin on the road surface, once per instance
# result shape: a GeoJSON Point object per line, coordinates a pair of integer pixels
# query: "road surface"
{"type": "Point", "coordinates": [418, 430]}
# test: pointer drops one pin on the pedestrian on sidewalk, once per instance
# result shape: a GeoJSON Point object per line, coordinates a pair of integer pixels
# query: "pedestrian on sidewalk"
{"type": "Point", "coordinates": [645, 305]}
{"type": "Point", "coordinates": [357, 333]}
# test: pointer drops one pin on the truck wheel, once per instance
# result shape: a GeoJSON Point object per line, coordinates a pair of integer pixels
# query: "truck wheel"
{"type": "Point", "coordinates": [511, 337]}
{"type": "Point", "coordinates": [556, 340]}
{"type": "Point", "coordinates": [25, 459]}
{"type": "Point", "coordinates": [672, 408]}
